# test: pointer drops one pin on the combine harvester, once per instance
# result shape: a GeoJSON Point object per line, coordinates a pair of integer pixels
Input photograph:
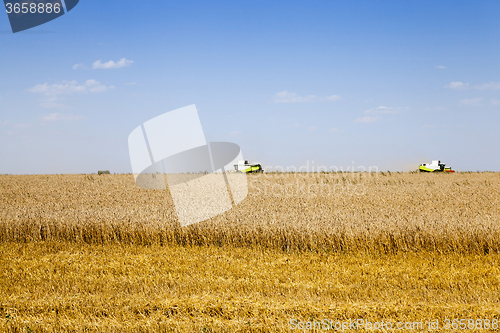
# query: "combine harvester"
{"type": "Point", "coordinates": [435, 166]}
{"type": "Point", "coordinates": [245, 167]}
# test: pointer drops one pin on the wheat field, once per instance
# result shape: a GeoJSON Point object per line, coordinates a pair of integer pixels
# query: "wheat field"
{"type": "Point", "coordinates": [96, 253]}
{"type": "Point", "coordinates": [380, 212]}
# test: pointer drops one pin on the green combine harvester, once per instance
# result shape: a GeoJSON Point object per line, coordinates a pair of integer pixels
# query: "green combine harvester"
{"type": "Point", "coordinates": [435, 166]}
{"type": "Point", "coordinates": [245, 167]}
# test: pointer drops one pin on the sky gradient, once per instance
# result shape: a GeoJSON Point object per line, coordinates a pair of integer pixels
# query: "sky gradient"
{"type": "Point", "coordinates": [334, 83]}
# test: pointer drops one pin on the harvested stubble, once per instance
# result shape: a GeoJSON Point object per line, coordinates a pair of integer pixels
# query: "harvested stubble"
{"type": "Point", "coordinates": [69, 287]}
{"type": "Point", "coordinates": [381, 213]}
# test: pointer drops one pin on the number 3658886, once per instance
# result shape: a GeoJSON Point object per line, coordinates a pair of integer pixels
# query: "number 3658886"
{"type": "Point", "coordinates": [33, 8]}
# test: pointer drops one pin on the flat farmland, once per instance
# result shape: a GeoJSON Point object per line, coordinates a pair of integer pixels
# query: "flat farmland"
{"type": "Point", "coordinates": [380, 212]}
{"type": "Point", "coordinates": [98, 253]}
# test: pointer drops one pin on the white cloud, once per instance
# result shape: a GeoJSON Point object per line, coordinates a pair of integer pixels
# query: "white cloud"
{"type": "Point", "coordinates": [96, 87]}
{"type": "Point", "coordinates": [495, 101]}
{"type": "Point", "coordinates": [457, 85]}
{"type": "Point", "coordinates": [54, 91]}
{"type": "Point", "coordinates": [76, 66]}
{"type": "Point", "coordinates": [287, 97]}
{"type": "Point", "coordinates": [488, 86]}
{"type": "Point", "coordinates": [471, 101]}
{"type": "Point", "coordinates": [61, 116]}
{"type": "Point", "coordinates": [111, 64]}
{"type": "Point", "coordinates": [332, 98]}
{"type": "Point", "coordinates": [440, 67]}
{"type": "Point", "coordinates": [3, 123]}
{"type": "Point", "coordinates": [69, 87]}
{"type": "Point", "coordinates": [51, 103]}
{"type": "Point", "coordinates": [483, 86]}
{"type": "Point", "coordinates": [335, 130]}
{"type": "Point", "coordinates": [376, 112]}
{"type": "Point", "coordinates": [382, 110]}
{"type": "Point", "coordinates": [366, 119]}
{"type": "Point", "coordinates": [130, 84]}
{"type": "Point", "coordinates": [312, 128]}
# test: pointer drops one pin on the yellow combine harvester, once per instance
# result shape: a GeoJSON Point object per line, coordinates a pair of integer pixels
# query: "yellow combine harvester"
{"type": "Point", "coordinates": [435, 166]}
{"type": "Point", "coordinates": [245, 167]}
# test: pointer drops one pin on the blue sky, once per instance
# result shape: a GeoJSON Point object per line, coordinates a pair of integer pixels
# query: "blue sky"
{"type": "Point", "coordinates": [341, 83]}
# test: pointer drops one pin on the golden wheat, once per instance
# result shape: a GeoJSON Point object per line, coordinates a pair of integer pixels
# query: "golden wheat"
{"type": "Point", "coordinates": [384, 213]}
{"type": "Point", "coordinates": [69, 287]}
{"type": "Point", "coordinates": [84, 253]}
